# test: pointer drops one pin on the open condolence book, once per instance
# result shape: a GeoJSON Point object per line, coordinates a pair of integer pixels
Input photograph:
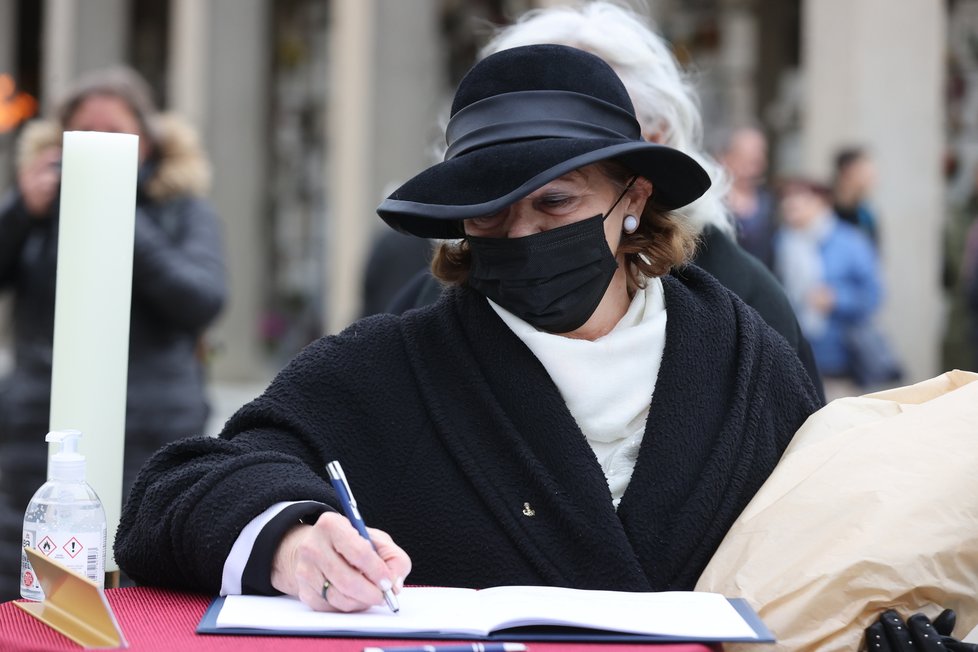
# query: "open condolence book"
{"type": "Point", "coordinates": [551, 613]}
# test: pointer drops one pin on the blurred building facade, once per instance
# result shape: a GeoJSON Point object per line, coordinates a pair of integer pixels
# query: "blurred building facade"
{"type": "Point", "coordinates": [310, 109]}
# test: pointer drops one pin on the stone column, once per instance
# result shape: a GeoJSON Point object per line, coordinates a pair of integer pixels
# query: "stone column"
{"type": "Point", "coordinates": [220, 77]}
{"type": "Point", "coordinates": [409, 96]}
{"type": "Point", "coordinates": [218, 80]}
{"type": "Point", "coordinates": [873, 76]}
{"type": "Point", "coordinates": [385, 78]}
{"type": "Point", "coordinates": [8, 35]}
{"type": "Point", "coordinates": [81, 37]}
{"type": "Point", "coordinates": [187, 74]}
{"type": "Point", "coordinates": [738, 61]}
{"type": "Point", "coordinates": [350, 127]}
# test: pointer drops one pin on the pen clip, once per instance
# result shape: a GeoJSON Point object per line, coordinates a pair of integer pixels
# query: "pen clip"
{"type": "Point", "coordinates": [337, 475]}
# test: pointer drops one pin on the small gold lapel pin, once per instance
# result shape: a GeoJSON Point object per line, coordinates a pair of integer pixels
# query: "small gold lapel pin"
{"type": "Point", "coordinates": [528, 511]}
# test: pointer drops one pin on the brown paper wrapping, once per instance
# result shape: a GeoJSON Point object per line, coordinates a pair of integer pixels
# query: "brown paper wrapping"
{"type": "Point", "coordinates": [873, 505]}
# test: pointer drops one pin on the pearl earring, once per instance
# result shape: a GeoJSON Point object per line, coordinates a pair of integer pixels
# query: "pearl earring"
{"type": "Point", "coordinates": [630, 224]}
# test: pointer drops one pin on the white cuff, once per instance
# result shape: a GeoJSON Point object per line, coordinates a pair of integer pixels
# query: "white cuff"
{"type": "Point", "coordinates": [234, 565]}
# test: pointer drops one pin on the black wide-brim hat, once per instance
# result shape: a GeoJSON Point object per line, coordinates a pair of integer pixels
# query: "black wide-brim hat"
{"type": "Point", "coordinates": [522, 118]}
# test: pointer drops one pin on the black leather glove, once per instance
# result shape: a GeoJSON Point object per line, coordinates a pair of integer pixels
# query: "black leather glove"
{"type": "Point", "coordinates": [917, 634]}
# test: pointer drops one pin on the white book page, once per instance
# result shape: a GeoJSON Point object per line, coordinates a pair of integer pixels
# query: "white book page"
{"type": "Point", "coordinates": [478, 613]}
{"type": "Point", "coordinates": [433, 610]}
{"type": "Point", "coordinates": [678, 613]}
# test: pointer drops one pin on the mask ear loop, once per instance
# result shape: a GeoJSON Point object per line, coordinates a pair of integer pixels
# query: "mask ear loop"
{"type": "Point", "coordinates": [628, 187]}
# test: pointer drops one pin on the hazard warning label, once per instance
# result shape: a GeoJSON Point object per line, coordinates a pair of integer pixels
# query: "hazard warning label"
{"type": "Point", "coordinates": [47, 546]}
{"type": "Point", "coordinates": [73, 547]}
{"type": "Point", "coordinates": [81, 552]}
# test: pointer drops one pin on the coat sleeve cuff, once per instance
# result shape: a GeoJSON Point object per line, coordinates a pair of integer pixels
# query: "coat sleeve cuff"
{"type": "Point", "coordinates": [247, 569]}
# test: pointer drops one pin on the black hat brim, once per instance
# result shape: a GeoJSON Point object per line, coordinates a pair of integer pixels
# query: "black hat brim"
{"type": "Point", "coordinates": [482, 182]}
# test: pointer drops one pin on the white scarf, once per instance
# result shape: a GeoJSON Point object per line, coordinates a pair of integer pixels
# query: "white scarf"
{"type": "Point", "coordinates": [606, 383]}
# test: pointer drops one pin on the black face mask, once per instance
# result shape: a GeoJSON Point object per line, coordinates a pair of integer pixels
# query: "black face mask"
{"type": "Point", "coordinates": [553, 280]}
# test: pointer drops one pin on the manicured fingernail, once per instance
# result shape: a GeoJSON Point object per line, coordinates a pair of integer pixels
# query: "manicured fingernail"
{"type": "Point", "coordinates": [385, 584]}
{"type": "Point", "coordinates": [400, 583]}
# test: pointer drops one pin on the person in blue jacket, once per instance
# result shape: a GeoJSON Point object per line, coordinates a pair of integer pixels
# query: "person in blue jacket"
{"type": "Point", "coordinates": [830, 272]}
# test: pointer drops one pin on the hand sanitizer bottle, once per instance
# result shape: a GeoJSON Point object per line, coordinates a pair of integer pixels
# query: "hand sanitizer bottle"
{"type": "Point", "coordinates": [64, 520]}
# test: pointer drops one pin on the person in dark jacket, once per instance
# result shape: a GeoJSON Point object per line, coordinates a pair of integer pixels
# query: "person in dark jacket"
{"type": "Point", "coordinates": [393, 258]}
{"type": "Point", "coordinates": [853, 181]}
{"type": "Point", "coordinates": [582, 408]}
{"type": "Point", "coordinates": [970, 283]}
{"type": "Point", "coordinates": [668, 110]}
{"type": "Point", "coordinates": [178, 286]}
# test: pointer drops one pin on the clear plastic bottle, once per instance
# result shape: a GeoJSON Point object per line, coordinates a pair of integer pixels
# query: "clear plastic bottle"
{"type": "Point", "coordinates": [65, 520]}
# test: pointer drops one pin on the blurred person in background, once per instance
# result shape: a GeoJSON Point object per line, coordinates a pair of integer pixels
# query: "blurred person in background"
{"type": "Point", "coordinates": [959, 345]}
{"type": "Point", "coordinates": [969, 267]}
{"type": "Point", "coordinates": [744, 155]}
{"type": "Point", "coordinates": [853, 181]}
{"type": "Point", "coordinates": [394, 259]}
{"type": "Point", "coordinates": [668, 111]}
{"type": "Point", "coordinates": [178, 288]}
{"type": "Point", "coordinates": [829, 270]}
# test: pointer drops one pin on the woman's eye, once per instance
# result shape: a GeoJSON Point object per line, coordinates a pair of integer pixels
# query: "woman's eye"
{"type": "Point", "coordinates": [553, 202]}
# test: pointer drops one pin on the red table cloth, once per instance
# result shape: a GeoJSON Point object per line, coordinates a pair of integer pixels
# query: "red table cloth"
{"type": "Point", "coordinates": [155, 619]}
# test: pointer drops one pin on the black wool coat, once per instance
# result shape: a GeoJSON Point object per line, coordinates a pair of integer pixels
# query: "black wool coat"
{"type": "Point", "coordinates": [456, 442]}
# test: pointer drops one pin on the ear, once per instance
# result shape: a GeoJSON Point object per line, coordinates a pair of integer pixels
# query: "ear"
{"type": "Point", "coordinates": [638, 195]}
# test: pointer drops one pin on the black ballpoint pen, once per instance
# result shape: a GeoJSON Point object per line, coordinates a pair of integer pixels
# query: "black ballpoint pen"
{"type": "Point", "coordinates": [338, 479]}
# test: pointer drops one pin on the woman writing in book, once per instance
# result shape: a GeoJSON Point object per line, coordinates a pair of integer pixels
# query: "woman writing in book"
{"type": "Point", "coordinates": [580, 409]}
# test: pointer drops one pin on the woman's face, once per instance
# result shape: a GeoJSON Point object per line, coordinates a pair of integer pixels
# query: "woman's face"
{"type": "Point", "coordinates": [576, 196]}
{"type": "Point", "coordinates": [111, 114]}
{"type": "Point", "coordinates": [799, 207]}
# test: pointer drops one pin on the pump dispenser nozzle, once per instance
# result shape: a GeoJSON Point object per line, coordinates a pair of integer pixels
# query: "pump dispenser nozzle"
{"type": "Point", "coordinates": [67, 464]}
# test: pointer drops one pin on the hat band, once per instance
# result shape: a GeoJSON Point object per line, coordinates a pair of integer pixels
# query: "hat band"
{"type": "Point", "coordinates": [524, 115]}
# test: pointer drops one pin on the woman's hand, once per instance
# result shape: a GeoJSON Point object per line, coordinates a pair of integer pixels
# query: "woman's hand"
{"type": "Point", "coordinates": [333, 551]}
{"type": "Point", "coordinates": [39, 180]}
